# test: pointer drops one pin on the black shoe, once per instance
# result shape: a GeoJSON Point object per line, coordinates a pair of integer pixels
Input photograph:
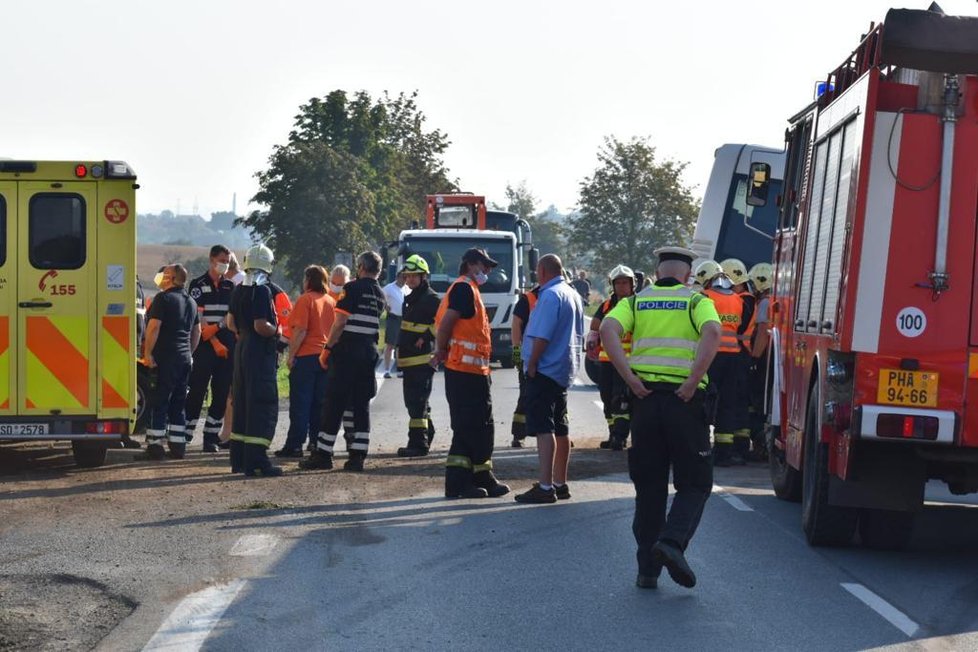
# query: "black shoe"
{"type": "Point", "coordinates": [154, 453]}
{"type": "Point", "coordinates": [177, 451]}
{"type": "Point", "coordinates": [496, 490]}
{"type": "Point", "coordinates": [670, 556]}
{"type": "Point", "coordinates": [606, 444]}
{"type": "Point", "coordinates": [354, 464]}
{"type": "Point", "coordinates": [617, 444]}
{"type": "Point", "coordinates": [131, 443]}
{"type": "Point", "coordinates": [646, 581]}
{"type": "Point", "coordinates": [537, 495]}
{"type": "Point", "coordinates": [408, 451]}
{"type": "Point", "coordinates": [516, 443]}
{"type": "Point", "coordinates": [224, 445]}
{"type": "Point", "coordinates": [310, 447]}
{"type": "Point", "coordinates": [470, 491]}
{"type": "Point", "coordinates": [267, 472]}
{"type": "Point", "coordinates": [288, 452]}
{"type": "Point", "coordinates": [210, 448]}
{"type": "Point", "coordinates": [317, 461]}
{"type": "Point", "coordinates": [562, 492]}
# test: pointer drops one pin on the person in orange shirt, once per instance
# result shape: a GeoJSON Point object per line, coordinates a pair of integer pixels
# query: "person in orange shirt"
{"type": "Point", "coordinates": [310, 319]}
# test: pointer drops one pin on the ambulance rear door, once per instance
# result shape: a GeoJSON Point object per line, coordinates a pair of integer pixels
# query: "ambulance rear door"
{"type": "Point", "coordinates": [8, 298]}
{"type": "Point", "coordinates": [56, 315]}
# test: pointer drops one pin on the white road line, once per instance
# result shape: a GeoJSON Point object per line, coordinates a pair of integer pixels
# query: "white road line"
{"type": "Point", "coordinates": [253, 545]}
{"type": "Point", "coordinates": [734, 501]}
{"type": "Point", "coordinates": [892, 615]}
{"type": "Point", "coordinates": [193, 619]}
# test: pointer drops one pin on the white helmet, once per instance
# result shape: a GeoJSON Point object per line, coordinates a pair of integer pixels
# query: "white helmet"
{"type": "Point", "coordinates": [259, 258]}
{"type": "Point", "coordinates": [762, 274]}
{"type": "Point", "coordinates": [735, 269]}
{"type": "Point", "coordinates": [706, 270]}
{"type": "Point", "coordinates": [621, 271]}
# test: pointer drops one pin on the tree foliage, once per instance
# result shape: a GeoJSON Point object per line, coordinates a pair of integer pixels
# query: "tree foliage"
{"type": "Point", "coordinates": [353, 173]}
{"type": "Point", "coordinates": [548, 232]}
{"type": "Point", "coordinates": [630, 205]}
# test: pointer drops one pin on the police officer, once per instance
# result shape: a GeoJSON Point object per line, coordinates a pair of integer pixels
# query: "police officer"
{"type": "Point", "coordinates": [464, 345]}
{"type": "Point", "coordinates": [729, 371]}
{"type": "Point", "coordinates": [614, 396]}
{"type": "Point", "coordinates": [521, 317]}
{"type": "Point", "coordinates": [675, 334]}
{"type": "Point", "coordinates": [172, 334]}
{"type": "Point", "coordinates": [255, 388]}
{"type": "Point", "coordinates": [761, 277]}
{"type": "Point", "coordinates": [415, 343]}
{"type": "Point", "coordinates": [350, 358]}
{"type": "Point", "coordinates": [213, 362]}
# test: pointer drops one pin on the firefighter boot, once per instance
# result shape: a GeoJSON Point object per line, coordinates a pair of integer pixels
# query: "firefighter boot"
{"type": "Point", "coordinates": [318, 460]}
{"type": "Point", "coordinates": [355, 463]}
{"type": "Point", "coordinates": [153, 452]}
{"type": "Point", "coordinates": [431, 429]}
{"type": "Point", "coordinates": [417, 444]}
{"type": "Point", "coordinates": [177, 451]}
{"type": "Point", "coordinates": [458, 484]}
{"type": "Point", "coordinates": [486, 480]}
{"type": "Point", "coordinates": [721, 455]}
{"type": "Point", "coordinates": [256, 462]}
{"type": "Point", "coordinates": [237, 456]}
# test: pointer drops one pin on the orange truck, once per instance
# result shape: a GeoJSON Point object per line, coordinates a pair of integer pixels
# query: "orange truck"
{"type": "Point", "coordinates": [67, 310]}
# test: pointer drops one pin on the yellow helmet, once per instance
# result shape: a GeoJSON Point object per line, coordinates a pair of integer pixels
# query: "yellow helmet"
{"type": "Point", "coordinates": [621, 271]}
{"type": "Point", "coordinates": [706, 271]}
{"type": "Point", "coordinates": [762, 274]}
{"type": "Point", "coordinates": [735, 269]}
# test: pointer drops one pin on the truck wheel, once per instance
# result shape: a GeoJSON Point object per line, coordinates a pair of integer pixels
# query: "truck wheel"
{"type": "Point", "coordinates": [824, 524]}
{"type": "Point", "coordinates": [144, 394]}
{"type": "Point", "coordinates": [89, 454]}
{"type": "Point", "coordinates": [785, 479]}
{"type": "Point", "coordinates": [592, 369]}
{"type": "Point", "coordinates": [884, 529]}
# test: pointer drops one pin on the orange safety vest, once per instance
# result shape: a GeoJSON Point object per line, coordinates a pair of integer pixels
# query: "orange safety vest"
{"type": "Point", "coordinates": [471, 344]}
{"type": "Point", "coordinates": [531, 298]}
{"type": "Point", "coordinates": [730, 307]}
{"type": "Point", "coordinates": [626, 340]}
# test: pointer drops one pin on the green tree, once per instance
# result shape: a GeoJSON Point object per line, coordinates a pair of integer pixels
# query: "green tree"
{"type": "Point", "coordinates": [353, 173]}
{"type": "Point", "coordinates": [520, 200]}
{"type": "Point", "coordinates": [630, 205]}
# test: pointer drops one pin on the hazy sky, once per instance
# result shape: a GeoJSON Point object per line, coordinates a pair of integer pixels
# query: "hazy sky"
{"type": "Point", "coordinates": [195, 94]}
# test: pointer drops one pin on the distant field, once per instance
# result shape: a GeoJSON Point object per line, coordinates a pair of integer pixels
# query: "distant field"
{"type": "Point", "coordinates": [150, 258]}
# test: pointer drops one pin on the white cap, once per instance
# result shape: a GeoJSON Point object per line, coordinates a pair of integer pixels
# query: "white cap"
{"type": "Point", "coordinates": [675, 253]}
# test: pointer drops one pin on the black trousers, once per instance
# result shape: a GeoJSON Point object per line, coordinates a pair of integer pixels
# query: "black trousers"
{"type": "Point", "coordinates": [255, 412]}
{"type": "Point", "coordinates": [615, 399]}
{"type": "Point", "coordinates": [470, 407]}
{"type": "Point", "coordinates": [351, 383]}
{"type": "Point", "coordinates": [417, 392]}
{"type": "Point", "coordinates": [167, 419]}
{"type": "Point", "coordinates": [668, 433]}
{"type": "Point", "coordinates": [729, 381]}
{"type": "Point", "coordinates": [209, 368]}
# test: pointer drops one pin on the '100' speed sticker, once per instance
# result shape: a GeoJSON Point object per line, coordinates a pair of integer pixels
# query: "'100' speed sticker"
{"type": "Point", "coordinates": [911, 322]}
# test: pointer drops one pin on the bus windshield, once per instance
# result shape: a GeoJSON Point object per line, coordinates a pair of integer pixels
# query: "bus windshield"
{"type": "Point", "coordinates": [445, 254]}
{"type": "Point", "coordinates": [736, 239]}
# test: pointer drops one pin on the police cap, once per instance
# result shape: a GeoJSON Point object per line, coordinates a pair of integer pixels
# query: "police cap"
{"type": "Point", "coordinates": [675, 253]}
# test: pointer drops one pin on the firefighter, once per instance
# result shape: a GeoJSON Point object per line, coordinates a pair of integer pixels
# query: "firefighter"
{"type": "Point", "coordinates": [762, 278]}
{"type": "Point", "coordinates": [172, 334]}
{"type": "Point", "coordinates": [742, 286]}
{"type": "Point", "coordinates": [675, 333]}
{"type": "Point", "coordinates": [338, 278]}
{"type": "Point", "coordinates": [255, 388]}
{"type": "Point", "coordinates": [728, 373]}
{"type": "Point", "coordinates": [213, 362]}
{"type": "Point", "coordinates": [350, 358]}
{"type": "Point", "coordinates": [521, 317]}
{"type": "Point", "coordinates": [736, 271]}
{"type": "Point", "coordinates": [464, 345]}
{"type": "Point", "coordinates": [614, 395]}
{"type": "Point", "coordinates": [415, 344]}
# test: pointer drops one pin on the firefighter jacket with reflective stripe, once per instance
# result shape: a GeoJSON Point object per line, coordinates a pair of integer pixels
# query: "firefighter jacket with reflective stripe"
{"type": "Point", "coordinates": [470, 345]}
{"type": "Point", "coordinates": [735, 319]}
{"type": "Point", "coordinates": [626, 342]}
{"type": "Point", "coordinates": [417, 325]}
{"type": "Point", "coordinates": [665, 323]}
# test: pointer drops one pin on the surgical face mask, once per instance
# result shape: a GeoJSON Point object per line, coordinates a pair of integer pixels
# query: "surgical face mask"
{"type": "Point", "coordinates": [335, 288]}
{"type": "Point", "coordinates": [222, 268]}
{"type": "Point", "coordinates": [158, 280]}
{"type": "Point", "coordinates": [481, 278]}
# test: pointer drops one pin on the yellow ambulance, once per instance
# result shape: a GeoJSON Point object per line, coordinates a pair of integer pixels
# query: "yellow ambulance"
{"type": "Point", "coordinates": [67, 304]}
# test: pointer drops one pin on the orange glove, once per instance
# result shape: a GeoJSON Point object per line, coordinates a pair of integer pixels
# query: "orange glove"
{"type": "Point", "coordinates": [324, 357]}
{"type": "Point", "coordinates": [209, 330]}
{"type": "Point", "coordinates": [219, 349]}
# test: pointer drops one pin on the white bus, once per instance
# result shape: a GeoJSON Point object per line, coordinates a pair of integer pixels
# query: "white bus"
{"type": "Point", "coordinates": [727, 227]}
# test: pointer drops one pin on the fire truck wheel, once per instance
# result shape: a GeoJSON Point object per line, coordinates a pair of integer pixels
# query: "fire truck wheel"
{"type": "Point", "coordinates": [785, 479]}
{"type": "Point", "coordinates": [824, 524]}
{"type": "Point", "coordinates": [89, 454]}
{"type": "Point", "coordinates": [884, 529]}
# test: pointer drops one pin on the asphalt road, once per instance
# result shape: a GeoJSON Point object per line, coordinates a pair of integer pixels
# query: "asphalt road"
{"type": "Point", "coordinates": [182, 555]}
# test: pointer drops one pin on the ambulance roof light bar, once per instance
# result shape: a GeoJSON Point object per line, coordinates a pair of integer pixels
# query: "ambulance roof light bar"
{"type": "Point", "coordinates": [118, 170]}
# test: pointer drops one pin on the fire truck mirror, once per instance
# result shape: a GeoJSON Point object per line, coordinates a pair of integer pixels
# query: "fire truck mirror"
{"type": "Point", "coordinates": [759, 183]}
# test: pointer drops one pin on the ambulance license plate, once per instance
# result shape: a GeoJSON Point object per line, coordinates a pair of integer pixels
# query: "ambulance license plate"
{"type": "Point", "coordinates": [23, 429]}
{"type": "Point", "coordinates": [913, 388]}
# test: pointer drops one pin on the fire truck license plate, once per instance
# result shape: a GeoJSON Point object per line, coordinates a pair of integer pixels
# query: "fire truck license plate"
{"type": "Point", "coordinates": [916, 388]}
{"type": "Point", "coordinates": [23, 429]}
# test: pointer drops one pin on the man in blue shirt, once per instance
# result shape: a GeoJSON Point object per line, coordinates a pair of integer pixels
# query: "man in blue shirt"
{"type": "Point", "coordinates": [554, 338]}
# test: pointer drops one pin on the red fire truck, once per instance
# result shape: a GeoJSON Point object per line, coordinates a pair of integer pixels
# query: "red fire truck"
{"type": "Point", "coordinates": [875, 344]}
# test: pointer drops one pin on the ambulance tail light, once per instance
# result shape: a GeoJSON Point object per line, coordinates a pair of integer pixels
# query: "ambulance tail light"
{"type": "Point", "coordinates": [118, 170]}
{"type": "Point", "coordinates": [898, 426]}
{"type": "Point", "coordinates": [115, 427]}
